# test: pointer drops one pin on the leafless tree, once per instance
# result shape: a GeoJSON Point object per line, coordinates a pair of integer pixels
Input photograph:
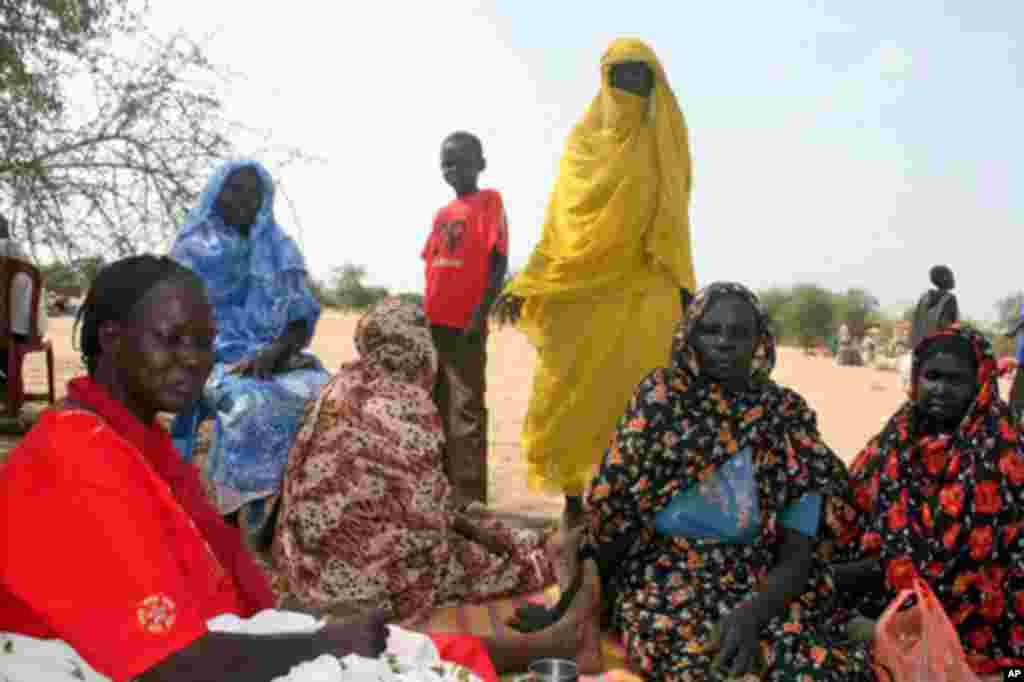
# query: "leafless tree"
{"type": "Point", "coordinates": [110, 161]}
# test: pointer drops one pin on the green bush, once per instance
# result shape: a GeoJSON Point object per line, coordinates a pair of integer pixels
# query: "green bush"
{"type": "Point", "coordinates": [348, 290]}
{"type": "Point", "coordinates": [807, 314]}
{"type": "Point", "coordinates": [409, 297]}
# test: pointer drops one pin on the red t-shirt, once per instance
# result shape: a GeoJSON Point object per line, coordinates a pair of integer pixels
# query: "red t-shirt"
{"type": "Point", "coordinates": [101, 547]}
{"type": "Point", "coordinates": [458, 253]}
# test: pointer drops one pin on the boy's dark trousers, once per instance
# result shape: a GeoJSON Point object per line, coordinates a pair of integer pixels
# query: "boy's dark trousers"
{"type": "Point", "coordinates": [459, 396]}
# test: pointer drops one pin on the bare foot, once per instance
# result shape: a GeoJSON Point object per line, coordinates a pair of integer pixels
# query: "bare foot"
{"type": "Point", "coordinates": [577, 635]}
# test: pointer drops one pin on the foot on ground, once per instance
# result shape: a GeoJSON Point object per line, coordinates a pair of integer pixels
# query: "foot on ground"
{"type": "Point", "coordinates": [580, 627]}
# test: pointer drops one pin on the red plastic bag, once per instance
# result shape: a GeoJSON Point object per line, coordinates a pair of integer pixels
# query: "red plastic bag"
{"type": "Point", "coordinates": [919, 644]}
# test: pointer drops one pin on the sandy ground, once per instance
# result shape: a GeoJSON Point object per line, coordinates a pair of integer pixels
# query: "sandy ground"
{"type": "Point", "coordinates": [852, 402]}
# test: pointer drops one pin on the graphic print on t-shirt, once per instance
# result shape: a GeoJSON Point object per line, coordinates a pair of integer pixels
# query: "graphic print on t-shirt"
{"type": "Point", "coordinates": [453, 233]}
{"type": "Point", "coordinates": [457, 254]}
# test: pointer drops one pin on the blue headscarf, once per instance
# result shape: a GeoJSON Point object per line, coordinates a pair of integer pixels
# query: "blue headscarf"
{"type": "Point", "coordinates": [1020, 338]}
{"type": "Point", "coordinates": [257, 285]}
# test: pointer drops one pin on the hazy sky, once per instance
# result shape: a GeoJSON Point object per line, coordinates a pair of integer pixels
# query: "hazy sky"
{"type": "Point", "coordinates": [849, 144]}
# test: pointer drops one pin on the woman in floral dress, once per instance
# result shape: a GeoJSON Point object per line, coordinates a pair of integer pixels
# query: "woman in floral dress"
{"type": "Point", "coordinates": [704, 518]}
{"type": "Point", "coordinates": [940, 494]}
{"type": "Point", "coordinates": [368, 519]}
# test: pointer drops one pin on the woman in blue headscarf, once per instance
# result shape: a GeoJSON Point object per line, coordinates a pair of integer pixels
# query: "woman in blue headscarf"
{"type": "Point", "coordinates": [266, 315]}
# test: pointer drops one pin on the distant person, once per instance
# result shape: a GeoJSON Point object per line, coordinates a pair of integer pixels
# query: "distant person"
{"type": "Point", "coordinates": [937, 308]}
{"type": "Point", "coordinates": [844, 335]}
{"type": "Point", "coordinates": [868, 347]}
{"type": "Point", "coordinates": [266, 317]}
{"type": "Point", "coordinates": [604, 288]}
{"type": "Point", "coordinates": [466, 257]}
{"type": "Point", "coordinates": [20, 300]}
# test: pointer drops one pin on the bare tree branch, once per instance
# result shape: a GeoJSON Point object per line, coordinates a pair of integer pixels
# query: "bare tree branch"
{"type": "Point", "coordinates": [116, 177]}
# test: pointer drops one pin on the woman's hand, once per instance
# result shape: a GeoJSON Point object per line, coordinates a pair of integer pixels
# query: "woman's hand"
{"type": "Point", "coordinates": [865, 575]}
{"type": "Point", "coordinates": [476, 323]}
{"type": "Point", "coordinates": [273, 358]}
{"type": "Point", "coordinates": [737, 637]}
{"type": "Point", "coordinates": [490, 541]}
{"type": "Point", "coordinates": [291, 603]}
{"type": "Point", "coordinates": [264, 364]}
{"type": "Point", "coordinates": [365, 636]}
{"type": "Point", "coordinates": [507, 309]}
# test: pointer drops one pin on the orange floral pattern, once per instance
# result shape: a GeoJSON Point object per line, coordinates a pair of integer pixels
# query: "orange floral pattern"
{"type": "Point", "coordinates": [680, 428]}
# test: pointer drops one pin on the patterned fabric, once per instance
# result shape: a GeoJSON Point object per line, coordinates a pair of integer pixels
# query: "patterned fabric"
{"type": "Point", "coordinates": [256, 424]}
{"type": "Point", "coordinates": [257, 286]}
{"type": "Point", "coordinates": [951, 508]}
{"type": "Point", "coordinates": [367, 518]}
{"type": "Point", "coordinates": [668, 592]}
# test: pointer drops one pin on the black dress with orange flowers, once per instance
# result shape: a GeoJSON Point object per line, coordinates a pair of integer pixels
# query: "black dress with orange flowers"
{"type": "Point", "coordinates": [950, 507]}
{"type": "Point", "coordinates": [666, 593]}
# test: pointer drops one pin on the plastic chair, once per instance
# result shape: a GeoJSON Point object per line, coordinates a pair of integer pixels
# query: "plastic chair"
{"type": "Point", "coordinates": [18, 349]}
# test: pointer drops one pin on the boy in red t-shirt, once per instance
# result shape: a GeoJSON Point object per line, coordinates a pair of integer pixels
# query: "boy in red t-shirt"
{"type": "Point", "coordinates": [466, 258]}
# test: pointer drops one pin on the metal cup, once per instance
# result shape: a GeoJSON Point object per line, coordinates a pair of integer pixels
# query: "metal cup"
{"type": "Point", "coordinates": [554, 670]}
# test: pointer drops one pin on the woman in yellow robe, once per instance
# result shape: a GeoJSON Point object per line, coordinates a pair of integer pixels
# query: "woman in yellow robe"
{"type": "Point", "coordinates": [601, 293]}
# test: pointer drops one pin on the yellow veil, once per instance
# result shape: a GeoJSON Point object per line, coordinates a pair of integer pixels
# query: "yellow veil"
{"type": "Point", "coordinates": [620, 207]}
{"type": "Point", "coordinates": [601, 289]}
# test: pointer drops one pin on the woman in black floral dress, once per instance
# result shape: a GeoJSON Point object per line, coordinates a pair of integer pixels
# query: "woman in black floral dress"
{"type": "Point", "coordinates": [940, 494]}
{"type": "Point", "coordinates": [704, 518]}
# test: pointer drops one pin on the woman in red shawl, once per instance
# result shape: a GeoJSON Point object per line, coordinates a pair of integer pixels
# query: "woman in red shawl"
{"type": "Point", "coordinates": [107, 540]}
{"type": "Point", "coordinates": [940, 493]}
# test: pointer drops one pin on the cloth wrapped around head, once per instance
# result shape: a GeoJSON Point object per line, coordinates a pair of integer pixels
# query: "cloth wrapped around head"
{"type": "Point", "coordinates": [684, 356]}
{"type": "Point", "coordinates": [257, 284]}
{"type": "Point", "coordinates": [393, 337]}
{"type": "Point", "coordinates": [368, 518]}
{"type": "Point", "coordinates": [614, 254]}
{"type": "Point", "coordinates": [945, 505]}
{"type": "Point", "coordinates": [619, 212]}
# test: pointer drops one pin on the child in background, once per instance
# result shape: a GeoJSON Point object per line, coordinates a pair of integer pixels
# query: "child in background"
{"type": "Point", "coordinates": [466, 258]}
